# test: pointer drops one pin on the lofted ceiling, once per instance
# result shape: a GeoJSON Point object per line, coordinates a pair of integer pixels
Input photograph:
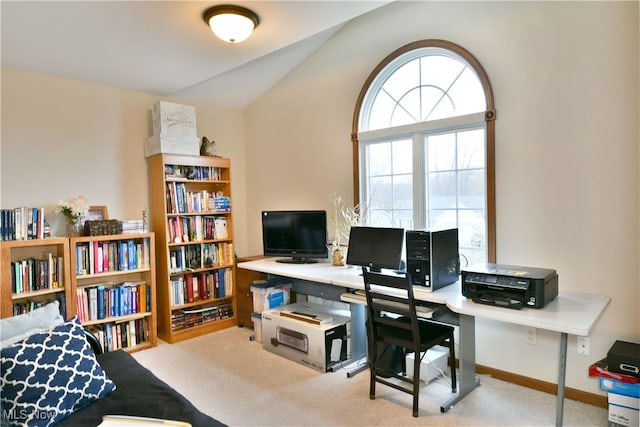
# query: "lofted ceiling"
{"type": "Point", "coordinates": [165, 47]}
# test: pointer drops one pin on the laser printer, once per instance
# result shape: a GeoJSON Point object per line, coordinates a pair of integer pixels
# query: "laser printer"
{"type": "Point", "coordinates": [509, 285]}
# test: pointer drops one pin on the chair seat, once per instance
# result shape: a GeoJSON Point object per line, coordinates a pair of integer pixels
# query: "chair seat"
{"type": "Point", "coordinates": [430, 333]}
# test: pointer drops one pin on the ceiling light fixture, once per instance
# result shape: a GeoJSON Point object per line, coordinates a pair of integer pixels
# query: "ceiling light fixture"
{"type": "Point", "coordinates": [231, 23]}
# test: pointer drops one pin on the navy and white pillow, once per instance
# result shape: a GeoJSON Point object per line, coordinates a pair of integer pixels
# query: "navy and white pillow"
{"type": "Point", "coordinates": [50, 375]}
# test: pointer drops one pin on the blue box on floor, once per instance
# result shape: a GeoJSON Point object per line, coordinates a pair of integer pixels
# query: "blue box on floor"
{"type": "Point", "coordinates": [619, 387]}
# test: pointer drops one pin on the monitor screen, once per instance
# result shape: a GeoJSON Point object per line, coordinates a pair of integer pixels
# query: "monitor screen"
{"type": "Point", "coordinates": [375, 247]}
{"type": "Point", "coordinates": [300, 235]}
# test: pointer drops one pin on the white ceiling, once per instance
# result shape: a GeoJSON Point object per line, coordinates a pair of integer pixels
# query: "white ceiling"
{"type": "Point", "coordinates": [165, 47]}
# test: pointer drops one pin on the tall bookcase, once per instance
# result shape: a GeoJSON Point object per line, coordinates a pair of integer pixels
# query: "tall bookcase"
{"type": "Point", "coordinates": [35, 272]}
{"type": "Point", "coordinates": [113, 279]}
{"type": "Point", "coordinates": [191, 216]}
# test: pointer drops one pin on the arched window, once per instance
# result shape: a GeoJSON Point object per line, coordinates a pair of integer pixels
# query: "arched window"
{"type": "Point", "coordinates": [423, 140]}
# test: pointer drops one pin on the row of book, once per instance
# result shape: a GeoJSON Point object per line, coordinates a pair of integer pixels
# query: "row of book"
{"type": "Point", "coordinates": [206, 255]}
{"type": "Point", "coordinates": [116, 255]}
{"type": "Point", "coordinates": [110, 300]}
{"type": "Point", "coordinates": [22, 224]}
{"type": "Point", "coordinates": [197, 228]}
{"type": "Point", "coordinates": [196, 173]}
{"type": "Point", "coordinates": [23, 306]}
{"type": "Point", "coordinates": [188, 318]}
{"type": "Point", "coordinates": [193, 287]}
{"type": "Point", "coordinates": [180, 200]}
{"type": "Point", "coordinates": [114, 336]}
{"type": "Point", "coordinates": [34, 274]}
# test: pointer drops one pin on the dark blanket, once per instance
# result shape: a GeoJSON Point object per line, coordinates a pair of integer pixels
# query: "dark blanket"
{"type": "Point", "coordinates": [138, 392]}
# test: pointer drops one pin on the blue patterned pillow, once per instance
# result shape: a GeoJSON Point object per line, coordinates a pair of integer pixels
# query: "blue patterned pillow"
{"type": "Point", "coordinates": [49, 375]}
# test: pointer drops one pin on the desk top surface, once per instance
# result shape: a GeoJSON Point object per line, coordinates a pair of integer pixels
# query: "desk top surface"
{"type": "Point", "coordinates": [569, 312]}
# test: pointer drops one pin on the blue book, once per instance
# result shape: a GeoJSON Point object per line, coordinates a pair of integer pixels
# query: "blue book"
{"type": "Point", "coordinates": [102, 313]}
{"type": "Point", "coordinates": [148, 299]}
{"type": "Point", "coordinates": [112, 302]}
{"type": "Point", "coordinates": [124, 258]}
{"type": "Point", "coordinates": [222, 289]}
{"type": "Point", "coordinates": [131, 249]}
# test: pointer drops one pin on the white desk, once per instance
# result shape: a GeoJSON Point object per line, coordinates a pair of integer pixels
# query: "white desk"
{"type": "Point", "coordinates": [569, 313]}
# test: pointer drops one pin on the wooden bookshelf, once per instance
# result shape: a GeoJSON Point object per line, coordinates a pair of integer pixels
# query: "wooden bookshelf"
{"type": "Point", "coordinates": [192, 218]}
{"type": "Point", "coordinates": [113, 279]}
{"type": "Point", "coordinates": [53, 281]}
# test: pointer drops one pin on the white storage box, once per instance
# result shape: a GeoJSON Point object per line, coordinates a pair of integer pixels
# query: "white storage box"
{"type": "Point", "coordinates": [624, 410]}
{"type": "Point", "coordinates": [268, 294]}
{"type": "Point", "coordinates": [433, 364]}
{"type": "Point", "coordinates": [183, 145]}
{"type": "Point", "coordinates": [172, 120]}
{"type": "Point", "coordinates": [318, 346]}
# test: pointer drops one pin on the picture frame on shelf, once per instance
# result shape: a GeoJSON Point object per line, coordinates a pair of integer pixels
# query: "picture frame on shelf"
{"type": "Point", "coordinates": [96, 213]}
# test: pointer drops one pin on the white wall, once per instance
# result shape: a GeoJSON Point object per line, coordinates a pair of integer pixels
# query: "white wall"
{"type": "Point", "coordinates": [62, 138]}
{"type": "Point", "coordinates": [566, 84]}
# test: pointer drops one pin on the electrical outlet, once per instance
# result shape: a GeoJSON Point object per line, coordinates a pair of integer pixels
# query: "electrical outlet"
{"type": "Point", "coordinates": [532, 335]}
{"type": "Point", "coordinates": [584, 345]}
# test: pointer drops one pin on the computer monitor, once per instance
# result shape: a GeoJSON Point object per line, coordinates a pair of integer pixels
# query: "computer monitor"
{"type": "Point", "coordinates": [375, 247]}
{"type": "Point", "coordinates": [301, 236]}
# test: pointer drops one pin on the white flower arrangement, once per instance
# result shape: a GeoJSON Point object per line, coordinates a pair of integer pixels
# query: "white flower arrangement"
{"type": "Point", "coordinates": [73, 209]}
{"type": "Point", "coordinates": [344, 218]}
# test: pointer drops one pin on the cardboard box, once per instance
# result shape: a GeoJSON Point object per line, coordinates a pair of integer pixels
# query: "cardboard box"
{"type": "Point", "coordinates": [624, 410]}
{"type": "Point", "coordinates": [171, 145]}
{"type": "Point", "coordinates": [172, 120]}
{"type": "Point", "coordinates": [268, 294]}
{"type": "Point", "coordinates": [433, 364]}
{"type": "Point", "coordinates": [620, 387]}
{"type": "Point", "coordinates": [318, 346]}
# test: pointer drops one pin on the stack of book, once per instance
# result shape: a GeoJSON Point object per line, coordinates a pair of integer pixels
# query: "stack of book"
{"type": "Point", "coordinates": [131, 226]}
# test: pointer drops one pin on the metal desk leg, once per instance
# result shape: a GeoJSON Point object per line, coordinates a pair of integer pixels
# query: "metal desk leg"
{"type": "Point", "coordinates": [467, 356]}
{"type": "Point", "coordinates": [358, 338]}
{"type": "Point", "coordinates": [561, 378]}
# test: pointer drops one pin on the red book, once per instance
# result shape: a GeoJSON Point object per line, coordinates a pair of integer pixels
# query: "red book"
{"type": "Point", "coordinates": [600, 369]}
{"type": "Point", "coordinates": [188, 278]}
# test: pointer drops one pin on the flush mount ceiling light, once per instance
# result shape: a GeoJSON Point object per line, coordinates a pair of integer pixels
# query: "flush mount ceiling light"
{"type": "Point", "coordinates": [231, 23]}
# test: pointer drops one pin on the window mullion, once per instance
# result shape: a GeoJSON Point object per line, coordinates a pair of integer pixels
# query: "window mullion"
{"type": "Point", "coordinates": [420, 201]}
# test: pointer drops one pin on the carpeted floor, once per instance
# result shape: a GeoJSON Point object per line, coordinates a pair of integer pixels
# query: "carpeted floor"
{"type": "Point", "coordinates": [232, 379]}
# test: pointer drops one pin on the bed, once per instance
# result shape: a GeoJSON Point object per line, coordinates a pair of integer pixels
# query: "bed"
{"type": "Point", "coordinates": [53, 372]}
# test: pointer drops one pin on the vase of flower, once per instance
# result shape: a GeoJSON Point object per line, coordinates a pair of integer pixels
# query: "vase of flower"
{"type": "Point", "coordinates": [73, 211]}
{"type": "Point", "coordinates": [74, 229]}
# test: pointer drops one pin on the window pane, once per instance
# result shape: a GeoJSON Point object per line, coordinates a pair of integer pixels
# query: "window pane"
{"type": "Point", "coordinates": [441, 219]}
{"type": "Point", "coordinates": [380, 193]}
{"type": "Point", "coordinates": [403, 80]}
{"type": "Point", "coordinates": [472, 235]}
{"type": "Point", "coordinates": [471, 149]}
{"type": "Point", "coordinates": [403, 192]}
{"type": "Point", "coordinates": [402, 156]}
{"type": "Point", "coordinates": [378, 159]}
{"type": "Point", "coordinates": [441, 152]}
{"type": "Point", "coordinates": [441, 191]}
{"type": "Point", "coordinates": [471, 189]}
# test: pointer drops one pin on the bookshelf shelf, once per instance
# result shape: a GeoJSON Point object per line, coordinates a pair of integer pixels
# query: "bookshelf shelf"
{"type": "Point", "coordinates": [114, 288]}
{"type": "Point", "coordinates": [17, 258]}
{"type": "Point", "coordinates": [192, 217]}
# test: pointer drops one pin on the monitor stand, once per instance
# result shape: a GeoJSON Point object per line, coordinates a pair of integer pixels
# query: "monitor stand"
{"type": "Point", "coordinates": [297, 260]}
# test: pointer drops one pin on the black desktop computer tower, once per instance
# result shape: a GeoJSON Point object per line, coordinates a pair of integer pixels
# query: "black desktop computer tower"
{"type": "Point", "coordinates": [433, 258]}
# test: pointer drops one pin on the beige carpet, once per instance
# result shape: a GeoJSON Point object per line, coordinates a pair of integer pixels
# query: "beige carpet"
{"type": "Point", "coordinates": [232, 379]}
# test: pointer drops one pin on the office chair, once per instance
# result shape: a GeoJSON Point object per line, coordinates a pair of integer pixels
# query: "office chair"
{"type": "Point", "coordinates": [392, 321]}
